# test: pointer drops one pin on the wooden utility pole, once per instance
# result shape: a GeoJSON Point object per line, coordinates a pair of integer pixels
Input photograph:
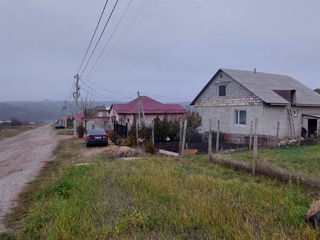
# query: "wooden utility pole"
{"type": "Point", "coordinates": [255, 146]}
{"type": "Point", "coordinates": [76, 96]}
{"type": "Point", "coordinates": [217, 140]}
{"type": "Point", "coordinates": [210, 142]}
{"type": "Point", "coordinates": [277, 136]}
{"type": "Point", "coordinates": [180, 136]}
{"type": "Point", "coordinates": [251, 133]}
{"type": "Point", "coordinates": [184, 137]}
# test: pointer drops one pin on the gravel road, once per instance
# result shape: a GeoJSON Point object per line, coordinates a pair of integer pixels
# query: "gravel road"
{"type": "Point", "coordinates": [21, 159]}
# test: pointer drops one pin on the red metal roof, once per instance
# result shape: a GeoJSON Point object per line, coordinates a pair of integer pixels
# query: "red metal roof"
{"type": "Point", "coordinates": [150, 106]}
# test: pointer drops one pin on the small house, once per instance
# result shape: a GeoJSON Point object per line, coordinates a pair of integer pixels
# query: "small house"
{"type": "Point", "coordinates": [126, 113]}
{"type": "Point", "coordinates": [237, 97]}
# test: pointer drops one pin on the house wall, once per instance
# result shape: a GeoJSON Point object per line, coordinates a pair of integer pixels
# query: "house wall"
{"type": "Point", "coordinates": [149, 117]}
{"type": "Point", "coordinates": [211, 106]}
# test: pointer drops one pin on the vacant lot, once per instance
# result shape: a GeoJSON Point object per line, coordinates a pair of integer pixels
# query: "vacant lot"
{"type": "Point", "coordinates": [156, 198]}
{"type": "Point", "coordinates": [304, 159]}
{"type": "Point", "coordinates": [7, 132]}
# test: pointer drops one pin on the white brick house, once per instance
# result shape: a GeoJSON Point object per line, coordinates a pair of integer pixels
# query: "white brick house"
{"type": "Point", "coordinates": [236, 97]}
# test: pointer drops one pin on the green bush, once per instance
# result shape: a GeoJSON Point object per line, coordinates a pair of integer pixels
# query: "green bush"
{"type": "Point", "coordinates": [149, 147]}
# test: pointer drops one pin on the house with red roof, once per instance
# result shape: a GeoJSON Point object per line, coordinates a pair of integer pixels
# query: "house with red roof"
{"type": "Point", "coordinates": [126, 113]}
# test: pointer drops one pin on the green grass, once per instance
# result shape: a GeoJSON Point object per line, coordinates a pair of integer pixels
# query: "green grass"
{"type": "Point", "coordinates": [156, 198]}
{"type": "Point", "coordinates": [7, 132]}
{"type": "Point", "coordinates": [304, 159]}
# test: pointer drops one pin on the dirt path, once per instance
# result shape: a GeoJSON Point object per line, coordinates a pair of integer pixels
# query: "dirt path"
{"type": "Point", "coordinates": [21, 159]}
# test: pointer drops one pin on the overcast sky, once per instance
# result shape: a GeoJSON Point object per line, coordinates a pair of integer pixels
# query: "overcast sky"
{"type": "Point", "coordinates": [170, 52]}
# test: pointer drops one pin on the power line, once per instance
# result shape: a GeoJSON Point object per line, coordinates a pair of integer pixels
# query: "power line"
{"type": "Point", "coordinates": [97, 43]}
{"type": "Point", "coordinates": [107, 90]}
{"type": "Point", "coordinates": [110, 38]}
{"type": "Point", "coordinates": [94, 33]}
{"type": "Point", "coordinates": [131, 23]}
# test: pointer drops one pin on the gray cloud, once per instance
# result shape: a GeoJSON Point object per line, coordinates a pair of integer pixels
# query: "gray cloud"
{"type": "Point", "coordinates": [172, 50]}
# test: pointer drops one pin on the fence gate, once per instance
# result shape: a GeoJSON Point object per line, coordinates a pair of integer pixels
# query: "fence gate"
{"type": "Point", "coordinates": [121, 129]}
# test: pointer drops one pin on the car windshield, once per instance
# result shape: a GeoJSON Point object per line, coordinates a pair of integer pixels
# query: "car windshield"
{"type": "Point", "coordinates": [96, 132]}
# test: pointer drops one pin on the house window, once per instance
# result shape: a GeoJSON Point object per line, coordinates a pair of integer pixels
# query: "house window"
{"type": "Point", "coordinates": [240, 117]}
{"type": "Point", "coordinates": [100, 114]}
{"type": "Point", "coordinates": [222, 90]}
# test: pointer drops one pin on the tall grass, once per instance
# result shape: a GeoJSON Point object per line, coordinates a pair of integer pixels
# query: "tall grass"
{"type": "Point", "coordinates": [303, 159]}
{"type": "Point", "coordinates": [159, 198]}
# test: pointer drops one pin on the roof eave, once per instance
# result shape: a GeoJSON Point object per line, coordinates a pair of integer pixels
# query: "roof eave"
{"type": "Point", "coordinates": [205, 87]}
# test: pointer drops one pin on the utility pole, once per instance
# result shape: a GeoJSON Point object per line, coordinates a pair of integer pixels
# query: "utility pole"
{"type": "Point", "coordinates": [141, 107]}
{"type": "Point", "coordinates": [76, 95]}
{"type": "Point", "coordinates": [139, 119]}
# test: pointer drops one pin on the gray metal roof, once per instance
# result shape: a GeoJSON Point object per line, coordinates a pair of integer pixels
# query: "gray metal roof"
{"type": "Point", "coordinates": [263, 85]}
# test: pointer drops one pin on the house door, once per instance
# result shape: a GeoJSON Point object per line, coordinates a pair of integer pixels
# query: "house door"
{"type": "Point", "coordinates": [312, 127]}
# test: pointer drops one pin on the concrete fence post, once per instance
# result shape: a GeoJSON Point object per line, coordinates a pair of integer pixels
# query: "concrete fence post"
{"type": "Point", "coordinates": [152, 132]}
{"type": "Point", "coordinates": [218, 135]}
{"type": "Point", "coordinates": [210, 142]}
{"type": "Point", "coordinates": [277, 136]}
{"type": "Point", "coordinates": [180, 136]}
{"type": "Point", "coordinates": [184, 137]}
{"type": "Point", "coordinates": [255, 146]}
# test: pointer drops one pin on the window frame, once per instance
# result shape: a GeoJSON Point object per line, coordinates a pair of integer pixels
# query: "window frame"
{"type": "Point", "coordinates": [225, 90]}
{"type": "Point", "coordinates": [237, 118]}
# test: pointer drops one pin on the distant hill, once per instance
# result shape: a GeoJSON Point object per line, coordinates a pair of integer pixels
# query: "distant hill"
{"type": "Point", "coordinates": [43, 110]}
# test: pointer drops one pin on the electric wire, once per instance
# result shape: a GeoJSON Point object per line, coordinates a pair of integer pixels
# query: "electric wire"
{"type": "Point", "coordinates": [101, 34]}
{"type": "Point", "coordinates": [110, 38]}
{"type": "Point", "coordinates": [94, 33]}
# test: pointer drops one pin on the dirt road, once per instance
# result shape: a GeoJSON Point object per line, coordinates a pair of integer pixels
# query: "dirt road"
{"type": "Point", "coordinates": [21, 159]}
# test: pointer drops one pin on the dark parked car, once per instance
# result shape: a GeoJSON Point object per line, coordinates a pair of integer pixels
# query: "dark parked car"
{"type": "Point", "coordinates": [60, 126]}
{"type": "Point", "coordinates": [96, 137]}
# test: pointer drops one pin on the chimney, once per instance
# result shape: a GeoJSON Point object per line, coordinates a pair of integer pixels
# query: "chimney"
{"type": "Point", "coordinates": [255, 70]}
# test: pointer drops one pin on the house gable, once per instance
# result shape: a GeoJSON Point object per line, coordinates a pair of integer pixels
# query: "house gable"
{"type": "Point", "coordinates": [235, 93]}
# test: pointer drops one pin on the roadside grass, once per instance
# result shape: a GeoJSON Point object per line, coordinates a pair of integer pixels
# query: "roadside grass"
{"type": "Point", "coordinates": [7, 132]}
{"type": "Point", "coordinates": [304, 159]}
{"type": "Point", "coordinates": [156, 198]}
{"type": "Point", "coordinates": [65, 131]}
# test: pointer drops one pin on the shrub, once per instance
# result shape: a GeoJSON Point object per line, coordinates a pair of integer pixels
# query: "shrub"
{"type": "Point", "coordinates": [149, 147]}
{"type": "Point", "coordinates": [80, 131]}
{"type": "Point", "coordinates": [115, 138]}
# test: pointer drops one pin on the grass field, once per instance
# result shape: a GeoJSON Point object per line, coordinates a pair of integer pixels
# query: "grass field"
{"type": "Point", "coordinates": [7, 132]}
{"type": "Point", "coordinates": [156, 198]}
{"type": "Point", "coordinates": [304, 159]}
